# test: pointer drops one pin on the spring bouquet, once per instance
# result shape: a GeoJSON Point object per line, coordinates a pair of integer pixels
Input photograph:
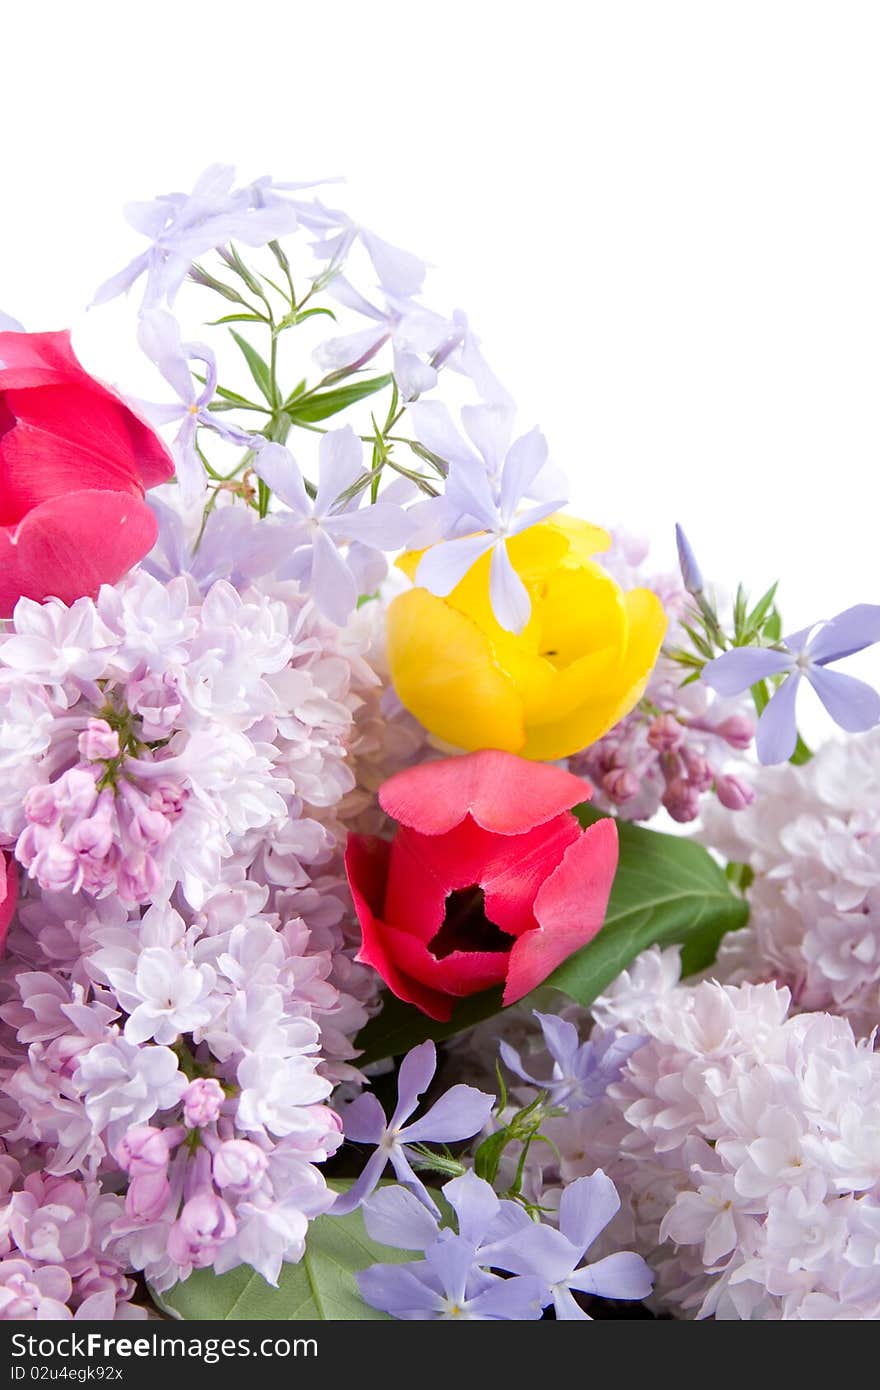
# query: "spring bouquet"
{"type": "Point", "coordinates": [348, 968]}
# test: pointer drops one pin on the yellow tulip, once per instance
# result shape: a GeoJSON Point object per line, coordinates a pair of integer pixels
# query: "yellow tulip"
{"type": "Point", "coordinates": [581, 663]}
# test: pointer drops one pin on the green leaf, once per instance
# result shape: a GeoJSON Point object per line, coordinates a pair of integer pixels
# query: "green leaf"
{"type": "Point", "coordinates": [258, 368]}
{"type": "Point", "coordinates": [319, 405]}
{"type": "Point", "coordinates": [667, 889]}
{"type": "Point", "coordinates": [762, 609]}
{"type": "Point", "coordinates": [238, 318]}
{"type": "Point", "coordinates": [321, 1287]}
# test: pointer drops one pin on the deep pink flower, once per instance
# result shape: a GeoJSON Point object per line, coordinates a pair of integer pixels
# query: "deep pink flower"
{"type": "Point", "coordinates": [489, 879]}
{"type": "Point", "coordinates": [8, 894]}
{"type": "Point", "coordinates": [75, 463]}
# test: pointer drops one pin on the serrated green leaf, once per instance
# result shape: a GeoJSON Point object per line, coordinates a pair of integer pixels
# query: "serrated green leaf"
{"type": "Point", "coordinates": [320, 405]}
{"type": "Point", "coordinates": [258, 368]}
{"type": "Point", "coordinates": [667, 889]}
{"type": "Point", "coordinates": [321, 1287]}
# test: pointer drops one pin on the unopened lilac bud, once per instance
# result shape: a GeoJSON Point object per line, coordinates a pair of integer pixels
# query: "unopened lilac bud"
{"type": "Point", "coordinates": [98, 741]}
{"type": "Point", "coordinates": [737, 730]}
{"type": "Point", "coordinates": [147, 1196]}
{"type": "Point", "coordinates": [204, 1222]}
{"type": "Point", "coordinates": [690, 570]}
{"type": "Point", "coordinates": [699, 773]}
{"type": "Point", "coordinates": [202, 1101]}
{"type": "Point", "coordinates": [41, 806]}
{"type": "Point", "coordinates": [145, 1149]}
{"type": "Point", "coordinates": [239, 1166]}
{"type": "Point", "coordinates": [620, 784]}
{"type": "Point", "coordinates": [75, 792]}
{"type": "Point", "coordinates": [56, 867]}
{"type": "Point", "coordinates": [665, 734]}
{"type": "Point", "coordinates": [682, 800]}
{"type": "Point", "coordinates": [733, 793]}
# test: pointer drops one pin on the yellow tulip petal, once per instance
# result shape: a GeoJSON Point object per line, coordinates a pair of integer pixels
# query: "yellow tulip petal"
{"type": "Point", "coordinates": [442, 668]}
{"type": "Point", "coordinates": [605, 697]}
{"type": "Point", "coordinates": [584, 539]}
{"type": "Point", "coordinates": [581, 611]}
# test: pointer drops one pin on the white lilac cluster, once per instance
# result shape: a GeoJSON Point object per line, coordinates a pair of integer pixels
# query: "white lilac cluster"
{"type": "Point", "coordinates": [179, 991]}
{"type": "Point", "coordinates": [682, 747]}
{"type": "Point", "coordinates": [744, 1142]}
{"type": "Point", "coordinates": [812, 841]}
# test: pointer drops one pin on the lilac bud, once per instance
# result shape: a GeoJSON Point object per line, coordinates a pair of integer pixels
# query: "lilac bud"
{"type": "Point", "coordinates": [690, 570]}
{"type": "Point", "coordinates": [145, 1149]}
{"type": "Point", "coordinates": [733, 793]}
{"type": "Point", "coordinates": [76, 792]}
{"type": "Point", "coordinates": [98, 741]}
{"type": "Point", "coordinates": [737, 730]}
{"type": "Point", "coordinates": [202, 1100]}
{"type": "Point", "coordinates": [682, 800]}
{"type": "Point", "coordinates": [699, 773]}
{"type": "Point", "coordinates": [665, 734]}
{"type": "Point", "coordinates": [203, 1223]}
{"type": "Point", "coordinates": [620, 784]}
{"type": "Point", "coordinates": [239, 1166]}
{"type": "Point", "coordinates": [56, 867]}
{"type": "Point", "coordinates": [147, 1196]}
{"type": "Point", "coordinates": [40, 805]}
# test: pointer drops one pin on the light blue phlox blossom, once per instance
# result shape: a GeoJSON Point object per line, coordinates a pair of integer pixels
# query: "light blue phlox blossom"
{"type": "Point", "coordinates": [447, 1285]}
{"type": "Point", "coordinates": [9, 325]}
{"type": "Point", "coordinates": [235, 546]}
{"type": "Point", "coordinates": [554, 1256]}
{"type": "Point", "coordinates": [687, 562]}
{"type": "Point", "coordinates": [582, 1072]}
{"type": "Point", "coordinates": [413, 331]}
{"type": "Point", "coordinates": [458, 1114]}
{"type": "Point", "coordinates": [159, 338]}
{"type": "Point", "coordinates": [320, 526]}
{"type": "Point", "coordinates": [400, 272]}
{"type": "Point", "coordinates": [852, 704]}
{"type": "Point", "coordinates": [183, 226]}
{"type": "Point", "coordinates": [488, 481]}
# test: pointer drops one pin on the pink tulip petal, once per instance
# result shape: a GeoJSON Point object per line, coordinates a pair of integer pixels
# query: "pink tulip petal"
{"type": "Point", "coordinates": [502, 792]}
{"type": "Point", "coordinates": [570, 908]}
{"type": "Point", "coordinates": [70, 546]}
{"type": "Point", "coordinates": [8, 895]}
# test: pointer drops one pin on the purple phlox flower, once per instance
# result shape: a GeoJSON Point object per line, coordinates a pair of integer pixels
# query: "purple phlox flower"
{"type": "Point", "coordinates": [9, 325]}
{"type": "Point", "coordinates": [460, 350]}
{"type": "Point", "coordinates": [159, 338]}
{"type": "Point", "coordinates": [400, 272]}
{"type": "Point", "coordinates": [395, 1216]}
{"type": "Point", "coordinates": [458, 1114]}
{"type": "Point", "coordinates": [554, 1256]}
{"type": "Point", "coordinates": [447, 1284]}
{"type": "Point", "coordinates": [412, 330]}
{"type": "Point", "coordinates": [235, 545]}
{"type": "Point", "coordinates": [488, 481]}
{"type": "Point", "coordinates": [687, 561]}
{"type": "Point", "coordinates": [582, 1072]}
{"type": "Point", "coordinates": [321, 526]}
{"type": "Point", "coordinates": [183, 226]}
{"type": "Point", "coordinates": [853, 705]}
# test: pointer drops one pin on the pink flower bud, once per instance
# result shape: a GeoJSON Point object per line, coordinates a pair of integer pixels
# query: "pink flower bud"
{"type": "Point", "coordinates": [40, 805]}
{"type": "Point", "coordinates": [733, 793]}
{"type": "Point", "coordinates": [147, 1196]}
{"type": "Point", "coordinates": [665, 734]}
{"type": "Point", "coordinates": [737, 730]}
{"type": "Point", "coordinates": [56, 867]}
{"type": "Point", "coordinates": [202, 1100]}
{"type": "Point", "coordinates": [145, 1149]}
{"type": "Point", "coordinates": [203, 1224]}
{"type": "Point", "coordinates": [699, 773]}
{"type": "Point", "coordinates": [621, 784]}
{"type": "Point", "coordinates": [76, 793]}
{"type": "Point", "coordinates": [98, 741]}
{"type": "Point", "coordinates": [239, 1166]}
{"type": "Point", "coordinates": [682, 800]}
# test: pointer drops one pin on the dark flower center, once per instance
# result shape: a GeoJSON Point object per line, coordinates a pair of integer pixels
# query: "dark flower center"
{"type": "Point", "coordinates": [466, 926]}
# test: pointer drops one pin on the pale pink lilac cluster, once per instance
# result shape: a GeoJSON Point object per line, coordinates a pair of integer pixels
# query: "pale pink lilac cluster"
{"type": "Point", "coordinates": [812, 840]}
{"type": "Point", "coordinates": [681, 748]}
{"type": "Point", "coordinates": [743, 1141]}
{"type": "Point", "coordinates": [179, 990]}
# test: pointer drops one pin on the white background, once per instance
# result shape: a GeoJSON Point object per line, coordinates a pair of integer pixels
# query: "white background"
{"type": "Point", "coordinates": [662, 217]}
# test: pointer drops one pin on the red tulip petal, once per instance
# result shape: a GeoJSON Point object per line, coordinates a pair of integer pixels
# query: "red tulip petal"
{"type": "Point", "coordinates": [424, 869]}
{"type": "Point", "coordinates": [515, 876]}
{"type": "Point", "coordinates": [8, 894]}
{"type": "Point", "coordinates": [70, 546]}
{"type": "Point", "coordinates": [366, 864]}
{"type": "Point", "coordinates": [570, 909]}
{"type": "Point", "coordinates": [502, 792]}
{"type": "Point", "coordinates": [459, 974]}
{"type": "Point", "coordinates": [38, 359]}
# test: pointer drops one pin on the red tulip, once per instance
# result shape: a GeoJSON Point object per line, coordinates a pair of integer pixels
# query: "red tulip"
{"type": "Point", "coordinates": [75, 462]}
{"type": "Point", "coordinates": [8, 894]}
{"type": "Point", "coordinates": [489, 879]}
